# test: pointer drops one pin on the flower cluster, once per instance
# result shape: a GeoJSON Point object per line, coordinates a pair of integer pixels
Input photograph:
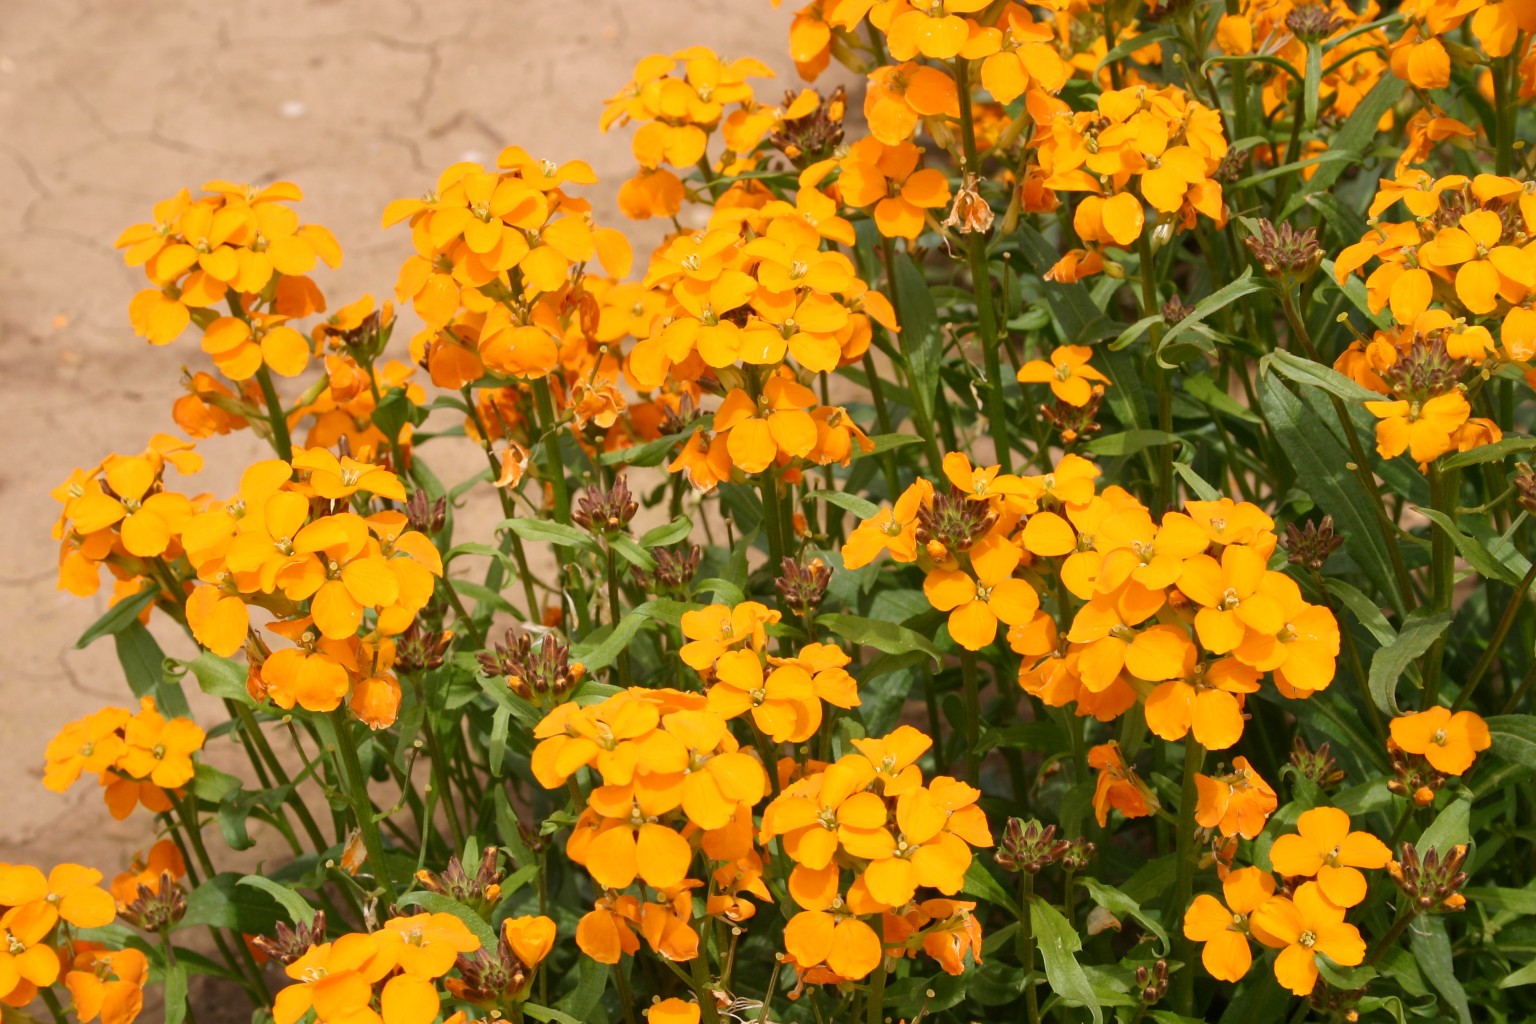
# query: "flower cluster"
{"type": "Point", "coordinates": [142, 758]}
{"type": "Point", "coordinates": [40, 916]}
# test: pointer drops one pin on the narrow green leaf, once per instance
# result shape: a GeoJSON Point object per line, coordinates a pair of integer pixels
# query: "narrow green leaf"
{"type": "Point", "coordinates": [1320, 464]}
{"type": "Point", "coordinates": [175, 993]}
{"type": "Point", "coordinates": [118, 616]}
{"type": "Point", "coordinates": [861, 507]}
{"type": "Point", "coordinates": [1470, 548]}
{"type": "Point", "coordinates": [921, 338]}
{"type": "Point", "coordinates": [980, 883]}
{"type": "Point", "coordinates": [1312, 85]}
{"type": "Point", "coordinates": [220, 677]}
{"type": "Point", "coordinates": [1366, 611]}
{"type": "Point", "coordinates": [558, 534]}
{"type": "Point", "coordinates": [1432, 951]}
{"type": "Point", "coordinates": [606, 651]}
{"type": "Point", "coordinates": [667, 533]}
{"type": "Point", "coordinates": [1514, 737]}
{"type": "Point", "coordinates": [1059, 942]}
{"type": "Point", "coordinates": [1112, 899]}
{"type": "Point", "coordinates": [1420, 630]}
{"type": "Point", "coordinates": [882, 636]}
{"type": "Point", "coordinates": [1306, 372]}
{"type": "Point", "coordinates": [1489, 452]}
{"type": "Point", "coordinates": [298, 908]}
{"type": "Point", "coordinates": [1129, 442]}
{"type": "Point", "coordinates": [631, 552]}
{"type": "Point", "coordinates": [1222, 297]}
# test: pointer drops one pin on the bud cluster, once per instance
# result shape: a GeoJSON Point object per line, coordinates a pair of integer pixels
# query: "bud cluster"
{"type": "Point", "coordinates": [481, 891]}
{"type": "Point", "coordinates": [1285, 253]}
{"type": "Point", "coordinates": [1316, 765]}
{"type": "Point", "coordinates": [605, 512]}
{"type": "Point", "coordinates": [420, 649]}
{"type": "Point", "coordinates": [1152, 984]}
{"type": "Point", "coordinates": [542, 673]}
{"type": "Point", "coordinates": [953, 521]}
{"type": "Point", "coordinates": [803, 585]}
{"type": "Point", "coordinates": [289, 944]}
{"type": "Point", "coordinates": [674, 572]}
{"type": "Point", "coordinates": [1414, 777]}
{"type": "Point", "coordinates": [157, 909]}
{"type": "Point", "coordinates": [1030, 847]}
{"type": "Point", "coordinates": [1309, 546]}
{"type": "Point", "coordinates": [1433, 882]}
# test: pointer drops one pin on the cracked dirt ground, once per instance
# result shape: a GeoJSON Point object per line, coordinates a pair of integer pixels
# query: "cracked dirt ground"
{"type": "Point", "coordinates": [107, 106]}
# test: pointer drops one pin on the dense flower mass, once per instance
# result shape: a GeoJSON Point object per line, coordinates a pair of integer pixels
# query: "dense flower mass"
{"type": "Point", "coordinates": [1042, 534]}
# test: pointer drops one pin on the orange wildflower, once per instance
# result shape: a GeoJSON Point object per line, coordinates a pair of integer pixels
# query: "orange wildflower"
{"type": "Point", "coordinates": [1071, 378]}
{"type": "Point", "coordinates": [1118, 787]}
{"type": "Point", "coordinates": [1304, 926]}
{"type": "Point", "coordinates": [1450, 742]}
{"type": "Point", "coordinates": [1224, 928]}
{"type": "Point", "coordinates": [1323, 847]}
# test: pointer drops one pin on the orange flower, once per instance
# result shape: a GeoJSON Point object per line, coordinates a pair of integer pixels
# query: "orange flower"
{"type": "Point", "coordinates": [107, 983]}
{"type": "Point", "coordinates": [845, 944]}
{"type": "Point", "coordinates": [26, 963]}
{"type": "Point", "coordinates": [69, 893]}
{"type": "Point", "coordinates": [719, 628]}
{"type": "Point", "coordinates": [1224, 929]}
{"type": "Point", "coordinates": [1325, 848]}
{"type": "Point", "coordinates": [428, 943]}
{"type": "Point", "coordinates": [897, 97]}
{"type": "Point", "coordinates": [1119, 786]}
{"type": "Point", "coordinates": [1202, 700]}
{"type": "Point", "coordinates": [783, 704]}
{"type": "Point", "coordinates": [1450, 742]}
{"type": "Point", "coordinates": [1304, 926]}
{"type": "Point", "coordinates": [160, 750]}
{"type": "Point", "coordinates": [976, 605]}
{"type": "Point", "coordinates": [1238, 803]}
{"type": "Point", "coordinates": [887, 178]}
{"type": "Point", "coordinates": [1423, 429]}
{"type": "Point", "coordinates": [1068, 373]}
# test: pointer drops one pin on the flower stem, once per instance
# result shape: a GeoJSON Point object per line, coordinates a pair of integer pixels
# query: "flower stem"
{"type": "Point", "coordinates": [1442, 575]}
{"type": "Point", "coordinates": [362, 805]}
{"type": "Point", "coordinates": [1024, 945]}
{"type": "Point", "coordinates": [1184, 878]}
{"type": "Point", "coordinates": [971, 693]}
{"type": "Point", "coordinates": [875, 1010]}
{"type": "Point", "coordinates": [279, 422]}
{"type": "Point", "coordinates": [981, 283]}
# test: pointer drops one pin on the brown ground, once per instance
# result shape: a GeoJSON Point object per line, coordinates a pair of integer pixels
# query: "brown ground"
{"type": "Point", "coordinates": [109, 105]}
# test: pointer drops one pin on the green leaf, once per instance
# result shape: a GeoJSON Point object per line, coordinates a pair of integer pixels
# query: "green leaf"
{"type": "Point", "coordinates": [667, 533]}
{"type": "Point", "coordinates": [1356, 137]}
{"type": "Point", "coordinates": [298, 908]}
{"type": "Point", "coordinates": [882, 636]}
{"type": "Point", "coordinates": [212, 785]}
{"type": "Point", "coordinates": [888, 442]}
{"type": "Point", "coordinates": [175, 993]}
{"type": "Point", "coordinates": [437, 903]}
{"type": "Point", "coordinates": [1195, 482]}
{"type": "Point", "coordinates": [1470, 548]}
{"type": "Point", "coordinates": [220, 677]}
{"type": "Point", "coordinates": [1432, 952]}
{"type": "Point", "coordinates": [545, 1013]}
{"type": "Point", "coordinates": [860, 507]}
{"type": "Point", "coordinates": [220, 902]}
{"type": "Point", "coordinates": [1135, 332]}
{"type": "Point", "coordinates": [1059, 942]}
{"type": "Point", "coordinates": [1112, 899]}
{"type": "Point", "coordinates": [1451, 827]}
{"type": "Point", "coordinates": [1312, 84]}
{"type": "Point", "coordinates": [980, 883]}
{"type": "Point", "coordinates": [142, 660]}
{"type": "Point", "coordinates": [1202, 388]}
{"type": "Point", "coordinates": [632, 552]}
{"type": "Point", "coordinates": [652, 453]}
{"type": "Point", "coordinates": [558, 534]}
{"type": "Point", "coordinates": [1489, 452]}
{"type": "Point", "coordinates": [1129, 442]}
{"type": "Point", "coordinates": [1420, 631]}
{"type": "Point", "coordinates": [118, 616]}
{"type": "Point", "coordinates": [1222, 297]}
{"type": "Point", "coordinates": [921, 338]}
{"type": "Point", "coordinates": [1514, 738]}
{"type": "Point", "coordinates": [1306, 372]}
{"type": "Point", "coordinates": [395, 411]}
{"type": "Point", "coordinates": [1366, 611]}
{"type": "Point", "coordinates": [1344, 978]}
{"type": "Point", "coordinates": [613, 643]}
{"type": "Point", "coordinates": [496, 748]}
{"type": "Point", "coordinates": [1319, 461]}
{"type": "Point", "coordinates": [1524, 976]}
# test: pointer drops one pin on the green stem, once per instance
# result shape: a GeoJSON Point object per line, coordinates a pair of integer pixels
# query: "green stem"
{"type": "Point", "coordinates": [1161, 384]}
{"type": "Point", "coordinates": [1184, 879]}
{"type": "Point", "coordinates": [252, 729]}
{"type": "Point", "coordinates": [356, 787]}
{"type": "Point", "coordinates": [971, 693]}
{"type": "Point", "coordinates": [1392, 935]}
{"type": "Point", "coordinates": [875, 1011]}
{"type": "Point", "coordinates": [767, 489]}
{"type": "Point", "coordinates": [704, 989]}
{"type": "Point", "coordinates": [981, 282]}
{"type": "Point", "coordinates": [54, 1007]}
{"type": "Point", "coordinates": [1024, 946]}
{"type": "Point", "coordinates": [614, 612]}
{"type": "Point", "coordinates": [275, 416]}
{"type": "Point", "coordinates": [1442, 575]}
{"type": "Point", "coordinates": [922, 415]}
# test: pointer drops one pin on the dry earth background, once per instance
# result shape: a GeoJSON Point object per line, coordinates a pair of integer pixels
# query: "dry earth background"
{"type": "Point", "coordinates": [107, 106]}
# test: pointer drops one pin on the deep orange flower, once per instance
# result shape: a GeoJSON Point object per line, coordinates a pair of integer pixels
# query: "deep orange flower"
{"type": "Point", "coordinates": [1450, 742]}
{"type": "Point", "coordinates": [1325, 848]}
{"type": "Point", "coordinates": [1224, 928]}
{"type": "Point", "coordinates": [1304, 926]}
